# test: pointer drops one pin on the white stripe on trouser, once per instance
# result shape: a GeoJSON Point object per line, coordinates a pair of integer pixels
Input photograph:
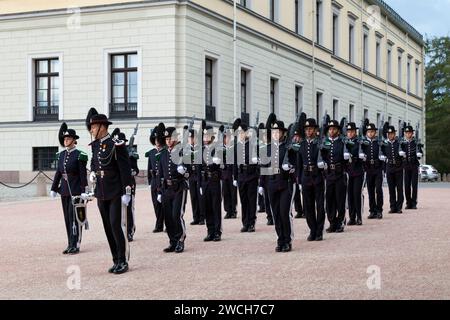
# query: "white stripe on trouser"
{"type": "Point", "coordinates": [183, 226]}
{"type": "Point", "coordinates": [291, 217]}
{"type": "Point", "coordinates": [362, 194]}
{"type": "Point", "coordinates": [133, 199]}
{"type": "Point", "coordinates": [221, 190]}
{"type": "Point", "coordinates": [123, 222]}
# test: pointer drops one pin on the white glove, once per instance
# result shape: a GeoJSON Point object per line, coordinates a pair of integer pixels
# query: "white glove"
{"type": "Point", "coordinates": [181, 170]}
{"type": "Point", "coordinates": [126, 198]}
{"type": "Point", "coordinates": [217, 160]}
{"type": "Point", "coordinates": [92, 177]}
{"type": "Point", "coordinates": [261, 191]}
{"type": "Point", "coordinates": [346, 156]}
{"type": "Point", "coordinates": [84, 196]}
{"type": "Point", "coordinates": [362, 156]}
{"type": "Point", "coordinates": [254, 160]}
{"type": "Point", "coordinates": [286, 167]}
{"type": "Point", "coordinates": [321, 165]}
{"type": "Point", "coordinates": [201, 191]}
{"type": "Point", "coordinates": [402, 154]}
{"type": "Point", "coordinates": [382, 158]}
{"type": "Point", "coordinates": [419, 155]}
{"type": "Point", "coordinates": [53, 194]}
{"type": "Point", "coordinates": [159, 198]}
{"type": "Point", "coordinates": [235, 183]}
{"type": "Point", "coordinates": [133, 173]}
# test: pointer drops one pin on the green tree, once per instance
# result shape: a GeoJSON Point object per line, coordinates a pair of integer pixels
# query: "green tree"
{"type": "Point", "coordinates": [437, 82]}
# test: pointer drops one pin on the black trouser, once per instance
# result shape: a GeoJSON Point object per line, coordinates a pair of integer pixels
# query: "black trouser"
{"type": "Point", "coordinates": [298, 200]}
{"type": "Point", "coordinates": [173, 203]}
{"type": "Point", "coordinates": [158, 210]}
{"type": "Point", "coordinates": [261, 203]}
{"type": "Point", "coordinates": [267, 203]}
{"type": "Point", "coordinates": [354, 193]}
{"type": "Point", "coordinates": [395, 183]}
{"type": "Point", "coordinates": [374, 180]}
{"type": "Point", "coordinates": [212, 201]}
{"type": "Point", "coordinates": [313, 201]}
{"type": "Point", "coordinates": [247, 192]}
{"type": "Point", "coordinates": [335, 197]}
{"type": "Point", "coordinates": [411, 184]}
{"type": "Point", "coordinates": [130, 216]}
{"type": "Point", "coordinates": [72, 228]}
{"type": "Point", "coordinates": [111, 212]}
{"type": "Point", "coordinates": [229, 196]}
{"type": "Point", "coordinates": [281, 201]}
{"type": "Point", "coordinates": [198, 214]}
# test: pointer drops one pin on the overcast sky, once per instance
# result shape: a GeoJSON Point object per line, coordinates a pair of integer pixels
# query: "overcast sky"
{"type": "Point", "coordinates": [429, 17]}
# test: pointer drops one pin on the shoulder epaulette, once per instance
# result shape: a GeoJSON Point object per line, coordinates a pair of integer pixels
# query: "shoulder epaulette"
{"type": "Point", "coordinates": [83, 156]}
{"type": "Point", "coordinates": [134, 155]}
{"type": "Point", "coordinates": [147, 154]}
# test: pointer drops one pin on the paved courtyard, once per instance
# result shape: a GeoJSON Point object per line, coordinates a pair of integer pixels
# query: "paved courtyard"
{"type": "Point", "coordinates": [400, 257]}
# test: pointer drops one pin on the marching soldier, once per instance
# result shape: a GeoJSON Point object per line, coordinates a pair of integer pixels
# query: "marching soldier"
{"type": "Point", "coordinates": [263, 190]}
{"type": "Point", "coordinates": [280, 184]}
{"type": "Point", "coordinates": [261, 196]}
{"type": "Point", "coordinates": [298, 194]}
{"type": "Point", "coordinates": [158, 141]}
{"type": "Point", "coordinates": [336, 181]}
{"type": "Point", "coordinates": [246, 174]}
{"type": "Point", "coordinates": [373, 166]}
{"type": "Point", "coordinates": [210, 186]}
{"type": "Point", "coordinates": [394, 170]}
{"type": "Point", "coordinates": [70, 180]}
{"type": "Point", "coordinates": [198, 212]}
{"type": "Point", "coordinates": [111, 173]}
{"type": "Point", "coordinates": [172, 190]}
{"type": "Point", "coordinates": [413, 152]}
{"type": "Point", "coordinates": [229, 191]}
{"type": "Point", "coordinates": [355, 171]}
{"type": "Point", "coordinates": [134, 157]}
{"type": "Point", "coordinates": [312, 181]}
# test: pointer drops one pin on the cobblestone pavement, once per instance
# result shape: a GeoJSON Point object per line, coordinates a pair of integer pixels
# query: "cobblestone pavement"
{"type": "Point", "coordinates": [400, 257]}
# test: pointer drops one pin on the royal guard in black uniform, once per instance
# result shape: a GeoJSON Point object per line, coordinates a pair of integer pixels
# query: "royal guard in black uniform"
{"type": "Point", "coordinates": [355, 171]}
{"type": "Point", "coordinates": [394, 170]}
{"type": "Point", "coordinates": [229, 191]}
{"type": "Point", "coordinates": [246, 174]}
{"type": "Point", "coordinates": [413, 152]}
{"type": "Point", "coordinates": [210, 185]}
{"type": "Point", "coordinates": [335, 157]}
{"type": "Point", "coordinates": [263, 190]}
{"type": "Point", "coordinates": [111, 173]}
{"type": "Point", "coordinates": [198, 211]}
{"type": "Point", "coordinates": [70, 180]}
{"type": "Point", "coordinates": [373, 166]}
{"type": "Point", "coordinates": [134, 157]}
{"type": "Point", "coordinates": [312, 181]}
{"type": "Point", "coordinates": [296, 141]}
{"type": "Point", "coordinates": [172, 190]}
{"type": "Point", "coordinates": [280, 174]}
{"type": "Point", "coordinates": [158, 140]}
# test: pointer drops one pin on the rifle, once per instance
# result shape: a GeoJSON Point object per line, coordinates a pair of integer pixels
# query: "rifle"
{"type": "Point", "coordinates": [417, 137]}
{"type": "Point", "coordinates": [381, 134]}
{"type": "Point", "coordinates": [322, 135]}
{"type": "Point", "coordinates": [131, 150]}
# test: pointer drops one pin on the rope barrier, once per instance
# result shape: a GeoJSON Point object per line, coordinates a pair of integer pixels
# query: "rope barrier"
{"type": "Point", "coordinates": [21, 186]}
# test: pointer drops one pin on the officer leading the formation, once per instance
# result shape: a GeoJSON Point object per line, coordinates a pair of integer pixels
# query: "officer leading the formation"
{"type": "Point", "coordinates": [70, 180]}
{"type": "Point", "coordinates": [111, 173]}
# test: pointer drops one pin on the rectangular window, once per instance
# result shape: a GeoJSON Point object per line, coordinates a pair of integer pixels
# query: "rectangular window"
{"type": "Point", "coordinates": [351, 43]}
{"type": "Point", "coordinates": [366, 113]}
{"type": "Point", "coordinates": [408, 76]}
{"type": "Point", "coordinates": [273, 95]}
{"type": "Point", "coordinates": [378, 58]}
{"type": "Point", "coordinates": [390, 120]}
{"type": "Point", "coordinates": [297, 16]}
{"type": "Point", "coordinates": [319, 106]}
{"type": "Point", "coordinates": [124, 86]}
{"type": "Point", "coordinates": [298, 99]}
{"type": "Point", "coordinates": [210, 109]}
{"type": "Point", "coordinates": [272, 10]}
{"type": "Point", "coordinates": [378, 118]}
{"type": "Point", "coordinates": [44, 158]}
{"type": "Point", "coordinates": [46, 85]}
{"type": "Point", "coordinates": [366, 51]}
{"type": "Point", "coordinates": [319, 21]}
{"type": "Point", "coordinates": [351, 113]}
{"type": "Point", "coordinates": [400, 69]}
{"type": "Point", "coordinates": [389, 65]}
{"type": "Point", "coordinates": [335, 34]}
{"type": "Point", "coordinates": [245, 116]}
{"type": "Point", "coordinates": [335, 109]}
{"type": "Point", "coordinates": [243, 3]}
{"type": "Point", "coordinates": [417, 79]}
